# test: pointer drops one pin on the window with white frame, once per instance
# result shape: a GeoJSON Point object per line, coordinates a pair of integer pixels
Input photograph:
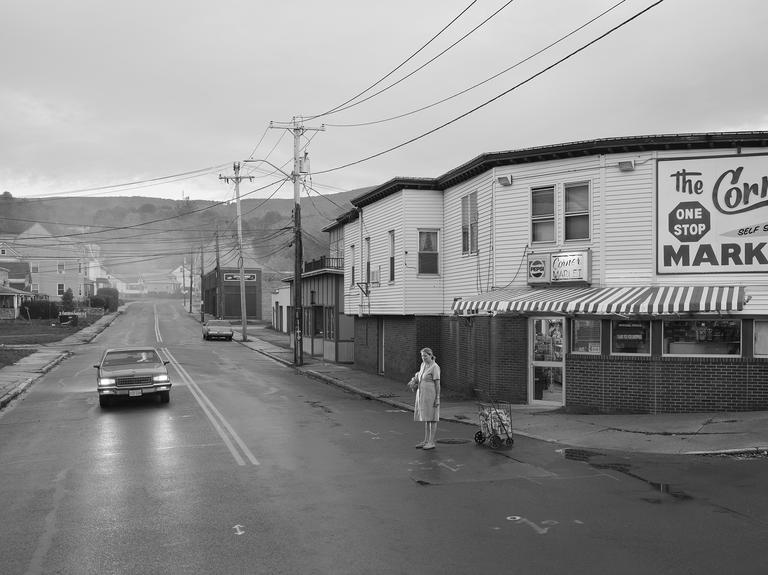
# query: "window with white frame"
{"type": "Point", "coordinates": [576, 211]}
{"type": "Point", "coordinates": [60, 289]}
{"type": "Point", "coordinates": [469, 221]}
{"type": "Point", "coordinates": [35, 288]}
{"type": "Point", "coordinates": [585, 335]}
{"type": "Point", "coordinates": [60, 267]}
{"type": "Point", "coordinates": [543, 214]}
{"type": "Point", "coordinates": [352, 261]}
{"type": "Point", "coordinates": [34, 267]}
{"type": "Point", "coordinates": [428, 252]}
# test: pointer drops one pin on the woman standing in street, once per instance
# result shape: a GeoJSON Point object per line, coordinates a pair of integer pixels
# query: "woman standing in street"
{"type": "Point", "coordinates": [426, 382]}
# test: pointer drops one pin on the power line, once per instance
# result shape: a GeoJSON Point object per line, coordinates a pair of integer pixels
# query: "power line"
{"type": "Point", "coordinates": [341, 106]}
{"type": "Point", "coordinates": [504, 93]}
{"type": "Point", "coordinates": [483, 82]}
{"type": "Point", "coordinates": [428, 62]}
{"type": "Point", "coordinates": [112, 187]}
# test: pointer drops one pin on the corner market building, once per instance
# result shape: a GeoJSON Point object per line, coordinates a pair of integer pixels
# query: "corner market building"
{"type": "Point", "coordinates": [615, 275]}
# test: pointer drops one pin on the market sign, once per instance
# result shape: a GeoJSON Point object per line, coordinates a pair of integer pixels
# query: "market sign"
{"type": "Point", "coordinates": [712, 215]}
{"type": "Point", "coordinates": [559, 268]}
{"type": "Point", "coordinates": [236, 277]}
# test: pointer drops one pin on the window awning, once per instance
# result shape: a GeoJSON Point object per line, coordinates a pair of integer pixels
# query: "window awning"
{"type": "Point", "coordinates": [655, 300]}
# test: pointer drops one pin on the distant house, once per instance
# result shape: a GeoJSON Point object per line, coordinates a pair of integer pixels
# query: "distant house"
{"type": "Point", "coordinates": [183, 276]}
{"type": "Point", "coordinates": [57, 263]}
{"type": "Point", "coordinates": [11, 299]}
{"type": "Point", "coordinates": [161, 283]}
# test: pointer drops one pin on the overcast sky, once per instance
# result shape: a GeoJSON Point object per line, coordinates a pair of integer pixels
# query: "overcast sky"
{"type": "Point", "coordinates": [97, 94]}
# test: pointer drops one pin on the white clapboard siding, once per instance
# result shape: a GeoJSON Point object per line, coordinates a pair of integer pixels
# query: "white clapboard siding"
{"type": "Point", "coordinates": [385, 297]}
{"type": "Point", "coordinates": [513, 214]}
{"type": "Point", "coordinates": [467, 274]}
{"type": "Point", "coordinates": [622, 233]}
{"type": "Point", "coordinates": [423, 209]}
{"type": "Point", "coordinates": [627, 246]}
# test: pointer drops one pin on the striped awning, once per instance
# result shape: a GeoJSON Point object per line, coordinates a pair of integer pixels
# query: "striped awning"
{"type": "Point", "coordinates": [655, 300]}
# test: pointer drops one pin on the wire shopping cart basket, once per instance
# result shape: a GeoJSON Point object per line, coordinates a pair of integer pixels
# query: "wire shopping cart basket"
{"type": "Point", "coordinates": [495, 418]}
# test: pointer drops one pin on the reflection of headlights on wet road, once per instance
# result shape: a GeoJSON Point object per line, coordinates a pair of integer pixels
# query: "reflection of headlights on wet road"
{"type": "Point", "coordinates": [161, 378]}
{"type": "Point", "coordinates": [106, 381]}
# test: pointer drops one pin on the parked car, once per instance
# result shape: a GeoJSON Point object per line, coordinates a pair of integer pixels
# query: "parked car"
{"type": "Point", "coordinates": [132, 372]}
{"type": "Point", "coordinates": [217, 329]}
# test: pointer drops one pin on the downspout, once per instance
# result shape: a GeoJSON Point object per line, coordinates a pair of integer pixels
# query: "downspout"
{"type": "Point", "coordinates": [362, 259]}
{"type": "Point", "coordinates": [492, 245]}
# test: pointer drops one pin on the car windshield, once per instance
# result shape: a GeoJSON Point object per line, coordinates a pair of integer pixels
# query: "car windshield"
{"type": "Point", "coordinates": [218, 322]}
{"type": "Point", "coordinates": [131, 357]}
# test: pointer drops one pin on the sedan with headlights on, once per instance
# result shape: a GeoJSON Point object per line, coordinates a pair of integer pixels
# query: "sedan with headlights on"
{"type": "Point", "coordinates": [132, 372]}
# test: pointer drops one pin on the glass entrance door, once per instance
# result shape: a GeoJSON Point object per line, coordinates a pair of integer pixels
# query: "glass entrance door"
{"type": "Point", "coordinates": [547, 351]}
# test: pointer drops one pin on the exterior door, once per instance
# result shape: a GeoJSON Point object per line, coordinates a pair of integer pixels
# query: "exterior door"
{"type": "Point", "coordinates": [547, 352]}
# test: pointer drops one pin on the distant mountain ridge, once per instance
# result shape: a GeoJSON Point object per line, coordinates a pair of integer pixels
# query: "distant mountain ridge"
{"type": "Point", "coordinates": [141, 234]}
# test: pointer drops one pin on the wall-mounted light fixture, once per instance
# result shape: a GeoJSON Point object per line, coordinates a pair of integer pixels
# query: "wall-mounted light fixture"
{"type": "Point", "coordinates": [627, 166]}
{"type": "Point", "coordinates": [505, 180]}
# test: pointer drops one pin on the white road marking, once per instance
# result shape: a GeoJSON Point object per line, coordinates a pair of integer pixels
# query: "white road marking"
{"type": "Point", "coordinates": [219, 422]}
{"type": "Point", "coordinates": [158, 336]}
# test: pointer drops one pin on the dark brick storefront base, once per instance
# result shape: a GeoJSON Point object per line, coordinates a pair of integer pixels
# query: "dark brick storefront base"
{"type": "Point", "coordinates": [485, 357]}
{"type": "Point", "coordinates": [482, 353]}
{"type": "Point", "coordinates": [615, 384]}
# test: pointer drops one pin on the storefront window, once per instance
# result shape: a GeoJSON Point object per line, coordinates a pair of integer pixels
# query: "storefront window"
{"type": "Point", "coordinates": [586, 336]}
{"type": "Point", "coordinates": [761, 338]}
{"type": "Point", "coordinates": [710, 337]}
{"type": "Point", "coordinates": [628, 336]}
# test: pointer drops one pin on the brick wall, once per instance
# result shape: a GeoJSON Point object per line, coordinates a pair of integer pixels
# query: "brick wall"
{"type": "Point", "coordinates": [366, 344]}
{"type": "Point", "coordinates": [616, 384]}
{"type": "Point", "coordinates": [485, 354]}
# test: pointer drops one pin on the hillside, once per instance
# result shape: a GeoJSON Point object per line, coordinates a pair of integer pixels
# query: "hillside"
{"type": "Point", "coordinates": [143, 234]}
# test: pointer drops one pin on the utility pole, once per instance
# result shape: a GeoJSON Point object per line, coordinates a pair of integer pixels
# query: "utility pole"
{"type": "Point", "coordinates": [202, 291]}
{"type": "Point", "coordinates": [219, 287]}
{"type": "Point", "coordinates": [236, 178]}
{"type": "Point", "coordinates": [300, 167]}
{"type": "Point", "coordinates": [191, 281]}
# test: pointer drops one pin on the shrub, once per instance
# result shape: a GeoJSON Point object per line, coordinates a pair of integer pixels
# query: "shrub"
{"type": "Point", "coordinates": [110, 296]}
{"type": "Point", "coordinates": [68, 300]}
{"type": "Point", "coordinates": [42, 309]}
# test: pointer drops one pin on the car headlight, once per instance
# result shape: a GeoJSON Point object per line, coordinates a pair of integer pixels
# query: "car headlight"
{"type": "Point", "coordinates": [161, 378]}
{"type": "Point", "coordinates": [106, 381]}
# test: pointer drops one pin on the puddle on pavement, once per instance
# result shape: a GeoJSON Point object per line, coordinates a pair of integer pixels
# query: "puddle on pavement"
{"type": "Point", "coordinates": [587, 456]}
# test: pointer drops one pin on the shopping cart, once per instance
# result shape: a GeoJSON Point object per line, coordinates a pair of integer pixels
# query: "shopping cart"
{"type": "Point", "coordinates": [495, 423]}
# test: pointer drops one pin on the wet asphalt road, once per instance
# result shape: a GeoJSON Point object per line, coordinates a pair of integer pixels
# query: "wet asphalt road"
{"type": "Point", "coordinates": [254, 469]}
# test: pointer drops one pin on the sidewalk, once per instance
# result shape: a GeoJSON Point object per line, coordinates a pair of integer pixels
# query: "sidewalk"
{"type": "Point", "coordinates": [693, 433]}
{"type": "Point", "coordinates": [666, 434]}
{"type": "Point", "coordinates": [16, 378]}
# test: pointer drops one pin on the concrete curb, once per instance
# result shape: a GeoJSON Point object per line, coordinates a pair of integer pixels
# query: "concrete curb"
{"type": "Point", "coordinates": [92, 331]}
